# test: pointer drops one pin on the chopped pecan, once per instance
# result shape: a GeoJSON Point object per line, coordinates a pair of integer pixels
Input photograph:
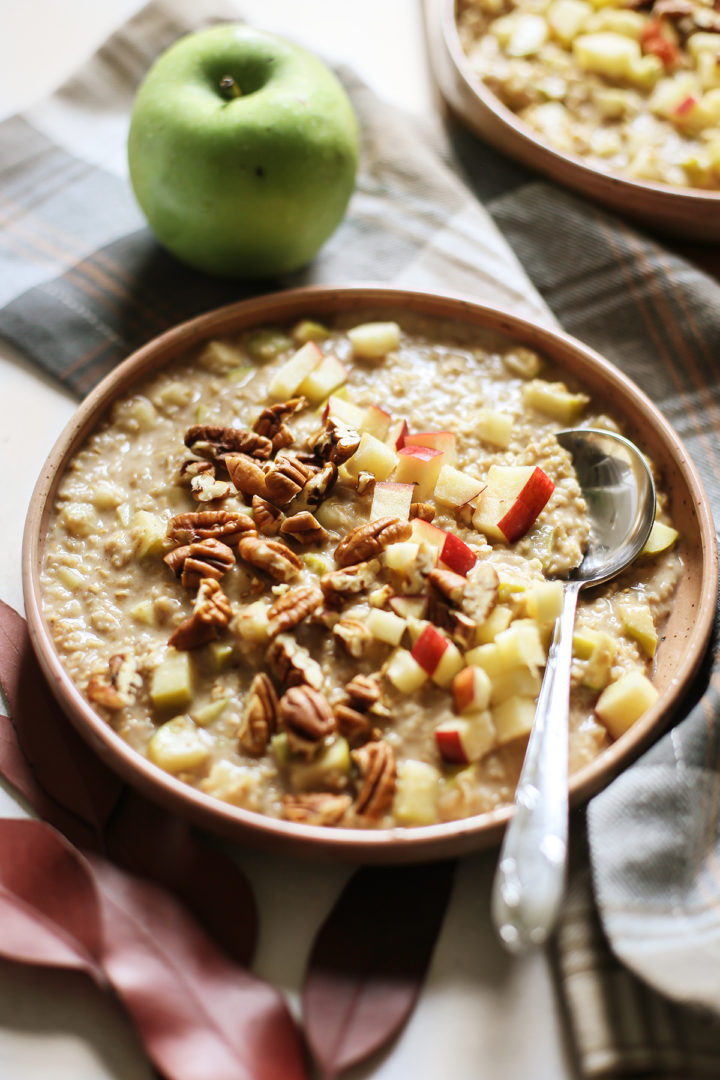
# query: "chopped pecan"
{"type": "Point", "coordinates": [213, 441]}
{"type": "Point", "coordinates": [290, 609]}
{"type": "Point", "coordinates": [423, 510]}
{"type": "Point", "coordinates": [354, 635]}
{"type": "Point", "coordinates": [354, 725]}
{"type": "Point", "coordinates": [349, 581]}
{"type": "Point", "coordinates": [194, 467]}
{"type": "Point", "coordinates": [304, 713]}
{"type": "Point", "coordinates": [460, 627]}
{"type": "Point", "coordinates": [224, 525]}
{"type": "Point", "coordinates": [316, 488]}
{"type": "Point", "coordinates": [450, 585]}
{"type": "Point", "coordinates": [259, 715]}
{"type": "Point", "coordinates": [363, 482]}
{"type": "Point", "coordinates": [672, 9]}
{"type": "Point", "coordinates": [354, 717]}
{"type": "Point", "coordinates": [707, 20]}
{"type": "Point", "coordinates": [202, 559]}
{"type": "Point", "coordinates": [291, 664]}
{"type": "Point", "coordinates": [271, 422]}
{"type": "Point", "coordinates": [364, 691]}
{"type": "Point", "coordinates": [304, 528]}
{"type": "Point", "coordinates": [121, 685]}
{"type": "Point", "coordinates": [206, 488]}
{"type": "Point", "coordinates": [211, 613]}
{"type": "Point", "coordinates": [481, 591]}
{"type": "Point", "coordinates": [376, 764]}
{"type": "Point", "coordinates": [268, 518]}
{"type": "Point", "coordinates": [286, 479]}
{"type": "Point", "coordinates": [315, 807]}
{"type": "Point", "coordinates": [336, 442]}
{"type": "Point", "coordinates": [270, 556]}
{"type": "Point", "coordinates": [367, 540]}
{"type": "Point", "coordinates": [246, 474]}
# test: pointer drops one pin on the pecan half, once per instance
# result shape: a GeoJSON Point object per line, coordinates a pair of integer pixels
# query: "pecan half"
{"type": "Point", "coordinates": [292, 664]}
{"type": "Point", "coordinates": [271, 421]}
{"type": "Point", "coordinates": [211, 613]}
{"type": "Point", "coordinates": [481, 592]}
{"type": "Point", "coordinates": [423, 510]}
{"type": "Point", "coordinates": [364, 691]}
{"type": "Point", "coordinates": [202, 559]}
{"type": "Point", "coordinates": [224, 525]}
{"type": "Point", "coordinates": [376, 764]}
{"type": "Point", "coordinates": [354, 635]}
{"type": "Point", "coordinates": [212, 441]}
{"type": "Point", "coordinates": [304, 713]}
{"type": "Point", "coordinates": [367, 540]}
{"type": "Point", "coordinates": [120, 686]}
{"type": "Point", "coordinates": [286, 479]}
{"type": "Point", "coordinates": [290, 609]}
{"type": "Point", "coordinates": [315, 807]}
{"type": "Point", "coordinates": [316, 488]}
{"type": "Point", "coordinates": [336, 442]}
{"type": "Point", "coordinates": [354, 725]}
{"type": "Point", "coordinates": [449, 585]}
{"type": "Point", "coordinates": [270, 556]}
{"type": "Point", "coordinates": [259, 715]}
{"type": "Point", "coordinates": [349, 581]}
{"type": "Point", "coordinates": [268, 518]}
{"type": "Point", "coordinates": [246, 474]}
{"type": "Point", "coordinates": [304, 528]}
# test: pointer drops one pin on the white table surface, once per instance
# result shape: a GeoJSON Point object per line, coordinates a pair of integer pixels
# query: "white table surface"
{"type": "Point", "coordinates": [480, 1013]}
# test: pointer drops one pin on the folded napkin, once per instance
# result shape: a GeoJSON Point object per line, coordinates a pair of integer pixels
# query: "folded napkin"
{"type": "Point", "coordinates": [82, 283]}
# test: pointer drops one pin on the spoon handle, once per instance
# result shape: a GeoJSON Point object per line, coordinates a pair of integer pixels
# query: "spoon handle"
{"type": "Point", "coordinates": [530, 877]}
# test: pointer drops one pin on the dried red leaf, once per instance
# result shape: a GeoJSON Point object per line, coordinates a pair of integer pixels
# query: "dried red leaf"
{"type": "Point", "coordinates": [49, 908]}
{"type": "Point", "coordinates": [148, 841]}
{"type": "Point", "coordinates": [199, 1014]}
{"type": "Point", "coordinates": [63, 764]}
{"type": "Point", "coordinates": [369, 960]}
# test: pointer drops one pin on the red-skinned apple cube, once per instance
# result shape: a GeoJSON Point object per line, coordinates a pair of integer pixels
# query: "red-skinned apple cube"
{"type": "Point", "coordinates": [444, 441]}
{"type": "Point", "coordinates": [465, 738]}
{"type": "Point", "coordinates": [429, 648]}
{"type": "Point", "coordinates": [456, 488]}
{"type": "Point", "coordinates": [451, 662]}
{"type": "Point", "coordinates": [419, 465]}
{"type": "Point", "coordinates": [344, 410]}
{"type": "Point", "coordinates": [514, 497]}
{"type": "Point", "coordinates": [391, 500]}
{"type": "Point", "coordinates": [396, 434]}
{"type": "Point", "coordinates": [376, 421]}
{"type": "Point", "coordinates": [424, 532]}
{"type": "Point", "coordinates": [456, 555]}
{"type": "Point", "coordinates": [471, 690]}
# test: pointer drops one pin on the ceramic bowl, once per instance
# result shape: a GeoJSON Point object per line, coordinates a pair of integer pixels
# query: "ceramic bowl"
{"type": "Point", "coordinates": [685, 212]}
{"type": "Point", "coordinates": [684, 639]}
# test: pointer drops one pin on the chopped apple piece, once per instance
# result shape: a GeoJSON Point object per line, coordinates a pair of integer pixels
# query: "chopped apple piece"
{"type": "Point", "coordinates": [144, 612]}
{"type": "Point", "coordinates": [397, 434]}
{"type": "Point", "coordinates": [208, 714]}
{"type": "Point", "coordinates": [429, 648]}
{"type": "Point", "coordinates": [660, 539]}
{"type": "Point", "coordinates": [456, 488]}
{"type": "Point", "coordinates": [638, 624]}
{"type": "Point", "coordinates": [376, 421]}
{"type": "Point", "coordinates": [416, 793]}
{"type": "Point", "coordinates": [171, 684]}
{"type": "Point", "coordinates": [288, 378]}
{"type": "Point", "coordinates": [251, 623]}
{"type": "Point", "coordinates": [450, 663]}
{"type": "Point", "coordinates": [456, 555]}
{"type": "Point", "coordinates": [494, 427]}
{"type": "Point", "coordinates": [471, 689]}
{"type": "Point", "coordinates": [424, 532]}
{"type": "Point", "coordinates": [372, 341]}
{"type": "Point", "coordinates": [545, 601]}
{"type": "Point", "coordinates": [308, 330]}
{"type": "Point", "coordinates": [488, 658]}
{"type": "Point", "coordinates": [513, 718]}
{"type": "Point", "coordinates": [401, 556]}
{"type": "Point", "coordinates": [350, 414]}
{"type": "Point", "coordinates": [465, 738]}
{"type": "Point", "coordinates": [419, 465]}
{"type": "Point", "coordinates": [520, 645]}
{"type": "Point", "coordinates": [391, 500]}
{"type": "Point", "coordinates": [512, 500]}
{"type": "Point", "coordinates": [148, 533]}
{"type": "Point", "coordinates": [386, 626]}
{"type": "Point", "coordinates": [372, 456]}
{"type": "Point", "coordinates": [409, 607]}
{"type": "Point", "coordinates": [323, 379]}
{"type": "Point", "coordinates": [404, 672]}
{"type": "Point", "coordinates": [327, 772]}
{"type": "Point", "coordinates": [554, 399]}
{"type": "Point", "coordinates": [178, 746]}
{"type": "Point", "coordinates": [221, 654]}
{"type": "Point", "coordinates": [444, 441]}
{"type": "Point", "coordinates": [514, 682]}
{"type": "Point", "coordinates": [415, 627]}
{"type": "Point", "coordinates": [600, 659]}
{"type": "Point", "coordinates": [624, 701]}
{"type": "Point", "coordinates": [605, 53]}
{"type": "Point", "coordinates": [499, 619]}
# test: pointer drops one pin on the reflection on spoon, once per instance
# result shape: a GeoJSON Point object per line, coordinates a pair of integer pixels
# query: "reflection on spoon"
{"type": "Point", "coordinates": [620, 495]}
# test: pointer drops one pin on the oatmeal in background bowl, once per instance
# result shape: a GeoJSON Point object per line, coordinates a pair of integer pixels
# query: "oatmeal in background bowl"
{"type": "Point", "coordinates": [308, 570]}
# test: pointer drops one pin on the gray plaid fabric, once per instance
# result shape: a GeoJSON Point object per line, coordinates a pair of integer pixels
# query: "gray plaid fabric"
{"type": "Point", "coordinates": [82, 283]}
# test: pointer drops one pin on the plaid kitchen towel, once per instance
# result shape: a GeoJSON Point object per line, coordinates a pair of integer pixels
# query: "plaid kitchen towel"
{"type": "Point", "coordinates": [82, 283]}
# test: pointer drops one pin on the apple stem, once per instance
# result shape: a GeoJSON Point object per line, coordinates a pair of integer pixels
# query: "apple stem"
{"type": "Point", "coordinates": [229, 88]}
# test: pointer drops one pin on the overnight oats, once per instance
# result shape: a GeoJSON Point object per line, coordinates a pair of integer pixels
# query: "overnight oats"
{"type": "Point", "coordinates": [629, 86]}
{"type": "Point", "coordinates": [312, 571]}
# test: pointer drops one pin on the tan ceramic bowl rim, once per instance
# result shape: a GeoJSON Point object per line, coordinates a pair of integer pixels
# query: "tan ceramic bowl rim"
{"type": "Point", "coordinates": [705, 198]}
{"type": "Point", "coordinates": [386, 845]}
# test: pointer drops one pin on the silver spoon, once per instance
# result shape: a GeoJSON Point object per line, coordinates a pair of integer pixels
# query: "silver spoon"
{"type": "Point", "coordinates": [529, 882]}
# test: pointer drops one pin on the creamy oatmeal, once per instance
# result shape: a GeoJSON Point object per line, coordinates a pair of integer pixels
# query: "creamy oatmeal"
{"type": "Point", "coordinates": [631, 86]}
{"type": "Point", "coordinates": [309, 571]}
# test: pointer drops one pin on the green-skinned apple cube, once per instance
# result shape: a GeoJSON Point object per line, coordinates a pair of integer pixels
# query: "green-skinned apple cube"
{"type": "Point", "coordinates": [404, 672]}
{"type": "Point", "coordinates": [638, 624]}
{"type": "Point", "coordinates": [374, 340]}
{"type": "Point", "coordinates": [600, 660]}
{"type": "Point", "coordinates": [624, 701]}
{"type": "Point", "coordinates": [178, 746]}
{"type": "Point", "coordinates": [660, 539]}
{"type": "Point", "coordinates": [322, 380]}
{"type": "Point", "coordinates": [554, 400]}
{"type": "Point", "coordinates": [286, 381]}
{"type": "Point", "coordinates": [209, 713]}
{"type": "Point", "coordinates": [329, 771]}
{"type": "Point", "coordinates": [513, 719]}
{"type": "Point", "coordinates": [171, 683]}
{"type": "Point", "coordinates": [416, 793]}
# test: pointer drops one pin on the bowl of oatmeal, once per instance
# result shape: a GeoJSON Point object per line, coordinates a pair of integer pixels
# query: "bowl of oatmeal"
{"type": "Point", "coordinates": [618, 101]}
{"type": "Point", "coordinates": [293, 570]}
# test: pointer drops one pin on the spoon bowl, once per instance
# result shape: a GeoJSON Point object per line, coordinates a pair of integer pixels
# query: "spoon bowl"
{"type": "Point", "coordinates": [618, 488]}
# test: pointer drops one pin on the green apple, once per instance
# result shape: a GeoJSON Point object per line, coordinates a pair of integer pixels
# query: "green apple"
{"type": "Point", "coordinates": [242, 151]}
